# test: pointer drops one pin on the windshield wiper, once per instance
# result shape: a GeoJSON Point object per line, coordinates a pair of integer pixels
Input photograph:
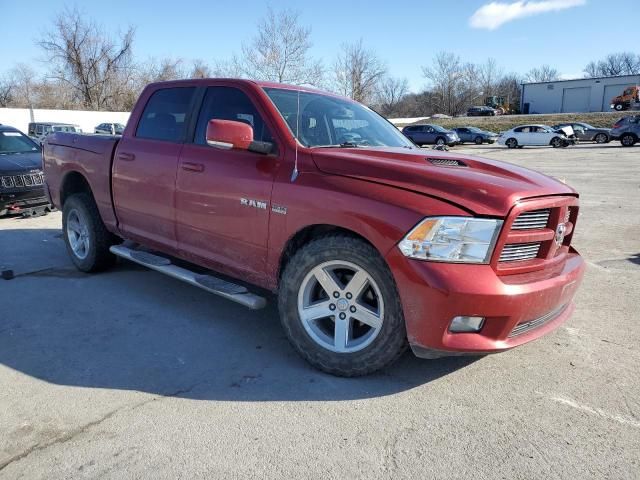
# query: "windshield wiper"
{"type": "Point", "coordinates": [341, 145]}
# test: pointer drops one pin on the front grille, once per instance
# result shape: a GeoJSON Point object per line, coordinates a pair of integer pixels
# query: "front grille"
{"type": "Point", "coordinates": [515, 252]}
{"type": "Point", "coordinates": [20, 181]}
{"type": "Point", "coordinates": [527, 326]}
{"type": "Point", "coordinates": [533, 220]}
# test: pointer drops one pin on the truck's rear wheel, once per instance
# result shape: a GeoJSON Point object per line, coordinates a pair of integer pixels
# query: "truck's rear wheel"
{"type": "Point", "coordinates": [340, 308]}
{"type": "Point", "coordinates": [85, 235]}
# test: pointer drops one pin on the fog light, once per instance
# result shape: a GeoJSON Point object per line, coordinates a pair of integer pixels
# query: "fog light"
{"type": "Point", "coordinates": [466, 324]}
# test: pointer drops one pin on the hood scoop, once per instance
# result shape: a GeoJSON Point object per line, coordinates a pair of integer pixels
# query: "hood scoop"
{"type": "Point", "coordinates": [447, 162]}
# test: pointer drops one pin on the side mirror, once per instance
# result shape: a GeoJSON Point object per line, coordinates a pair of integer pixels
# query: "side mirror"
{"type": "Point", "coordinates": [229, 134]}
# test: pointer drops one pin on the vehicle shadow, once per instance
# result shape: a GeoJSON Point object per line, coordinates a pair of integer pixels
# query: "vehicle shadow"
{"type": "Point", "coordinates": [134, 329]}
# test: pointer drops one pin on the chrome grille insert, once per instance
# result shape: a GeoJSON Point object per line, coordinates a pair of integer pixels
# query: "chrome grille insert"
{"type": "Point", "coordinates": [19, 181]}
{"type": "Point", "coordinates": [533, 220]}
{"type": "Point", "coordinates": [525, 327]}
{"type": "Point", "coordinates": [514, 252]}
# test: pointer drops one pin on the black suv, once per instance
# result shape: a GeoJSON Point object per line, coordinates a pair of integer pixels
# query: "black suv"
{"type": "Point", "coordinates": [481, 112]}
{"type": "Point", "coordinates": [21, 178]}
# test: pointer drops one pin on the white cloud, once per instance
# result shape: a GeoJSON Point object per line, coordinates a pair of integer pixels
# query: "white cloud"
{"type": "Point", "coordinates": [494, 14]}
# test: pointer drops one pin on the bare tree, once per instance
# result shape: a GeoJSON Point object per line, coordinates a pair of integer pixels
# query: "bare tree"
{"type": "Point", "coordinates": [162, 70]}
{"type": "Point", "coordinates": [82, 56]}
{"type": "Point", "coordinates": [391, 91]}
{"type": "Point", "coordinates": [280, 51]}
{"type": "Point", "coordinates": [545, 73]}
{"type": "Point", "coordinates": [489, 75]}
{"type": "Point", "coordinates": [25, 86]}
{"type": "Point", "coordinates": [623, 63]}
{"type": "Point", "coordinates": [454, 85]}
{"type": "Point", "coordinates": [509, 86]}
{"type": "Point", "coordinates": [358, 72]}
{"type": "Point", "coordinates": [6, 88]}
{"type": "Point", "coordinates": [199, 69]}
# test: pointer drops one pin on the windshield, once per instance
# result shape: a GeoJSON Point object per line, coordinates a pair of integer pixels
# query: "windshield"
{"type": "Point", "coordinates": [327, 121]}
{"type": "Point", "coordinates": [16, 142]}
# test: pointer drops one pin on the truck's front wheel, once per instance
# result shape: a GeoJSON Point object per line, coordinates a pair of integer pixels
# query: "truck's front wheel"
{"type": "Point", "coordinates": [340, 308]}
{"type": "Point", "coordinates": [85, 235]}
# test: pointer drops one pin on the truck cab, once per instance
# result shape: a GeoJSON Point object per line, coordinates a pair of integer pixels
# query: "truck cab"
{"type": "Point", "coordinates": [369, 243]}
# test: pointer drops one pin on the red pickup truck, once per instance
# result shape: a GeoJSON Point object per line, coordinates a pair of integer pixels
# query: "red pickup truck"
{"type": "Point", "coordinates": [370, 242]}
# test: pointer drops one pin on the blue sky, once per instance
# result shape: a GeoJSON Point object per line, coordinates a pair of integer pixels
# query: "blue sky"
{"type": "Point", "coordinates": [566, 34]}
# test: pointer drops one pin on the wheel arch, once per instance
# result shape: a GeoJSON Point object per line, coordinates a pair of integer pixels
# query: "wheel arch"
{"type": "Point", "coordinates": [307, 234]}
{"type": "Point", "coordinates": [74, 182]}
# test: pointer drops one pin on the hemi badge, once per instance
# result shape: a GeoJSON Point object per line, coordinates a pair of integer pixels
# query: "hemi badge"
{"type": "Point", "coordinates": [279, 209]}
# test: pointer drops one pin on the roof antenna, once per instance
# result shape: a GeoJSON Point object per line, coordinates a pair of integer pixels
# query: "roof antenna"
{"type": "Point", "coordinates": [294, 174]}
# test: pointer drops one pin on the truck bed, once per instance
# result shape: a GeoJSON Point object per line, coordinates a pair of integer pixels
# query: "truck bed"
{"type": "Point", "coordinates": [89, 155]}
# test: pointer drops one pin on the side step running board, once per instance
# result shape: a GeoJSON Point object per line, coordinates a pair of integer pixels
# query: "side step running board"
{"type": "Point", "coordinates": [223, 288]}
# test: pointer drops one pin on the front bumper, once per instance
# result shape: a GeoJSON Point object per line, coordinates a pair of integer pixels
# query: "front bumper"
{"type": "Point", "coordinates": [517, 308]}
{"type": "Point", "coordinates": [20, 199]}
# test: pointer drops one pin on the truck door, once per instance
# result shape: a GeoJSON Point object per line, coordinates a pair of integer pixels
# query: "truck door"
{"type": "Point", "coordinates": [145, 165]}
{"type": "Point", "coordinates": [223, 196]}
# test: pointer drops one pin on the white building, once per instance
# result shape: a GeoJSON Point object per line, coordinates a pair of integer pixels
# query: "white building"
{"type": "Point", "coordinates": [568, 96]}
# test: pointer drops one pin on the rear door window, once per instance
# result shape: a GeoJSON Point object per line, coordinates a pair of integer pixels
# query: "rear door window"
{"type": "Point", "coordinates": [165, 115]}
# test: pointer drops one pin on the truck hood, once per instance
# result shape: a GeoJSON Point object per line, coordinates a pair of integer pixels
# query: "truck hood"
{"type": "Point", "coordinates": [482, 186]}
{"type": "Point", "coordinates": [20, 162]}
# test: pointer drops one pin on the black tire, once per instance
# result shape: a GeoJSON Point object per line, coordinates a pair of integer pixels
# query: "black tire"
{"type": "Point", "coordinates": [628, 140]}
{"type": "Point", "coordinates": [100, 239]}
{"type": "Point", "coordinates": [556, 142]}
{"type": "Point", "coordinates": [391, 340]}
{"type": "Point", "coordinates": [441, 141]}
{"type": "Point", "coordinates": [618, 107]}
{"type": "Point", "coordinates": [601, 138]}
{"type": "Point", "coordinates": [478, 140]}
{"type": "Point", "coordinates": [511, 143]}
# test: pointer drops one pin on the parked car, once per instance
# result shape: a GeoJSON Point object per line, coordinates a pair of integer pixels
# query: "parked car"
{"type": "Point", "coordinates": [369, 242]}
{"type": "Point", "coordinates": [39, 130]}
{"type": "Point", "coordinates": [627, 130]}
{"type": "Point", "coordinates": [109, 129]}
{"type": "Point", "coordinates": [475, 135]}
{"type": "Point", "coordinates": [587, 133]}
{"type": "Point", "coordinates": [526, 135]}
{"type": "Point", "coordinates": [21, 178]}
{"type": "Point", "coordinates": [430, 135]}
{"type": "Point", "coordinates": [481, 111]}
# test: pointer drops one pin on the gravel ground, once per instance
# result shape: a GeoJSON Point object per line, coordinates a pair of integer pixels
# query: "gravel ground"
{"type": "Point", "coordinates": [129, 374]}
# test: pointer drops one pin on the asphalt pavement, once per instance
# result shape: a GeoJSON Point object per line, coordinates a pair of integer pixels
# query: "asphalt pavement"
{"type": "Point", "coordinates": [131, 374]}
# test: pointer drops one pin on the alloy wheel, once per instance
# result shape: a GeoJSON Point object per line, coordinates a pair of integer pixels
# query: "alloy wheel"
{"type": "Point", "coordinates": [78, 234]}
{"type": "Point", "coordinates": [340, 306]}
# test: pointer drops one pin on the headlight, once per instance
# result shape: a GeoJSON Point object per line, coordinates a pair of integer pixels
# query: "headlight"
{"type": "Point", "coordinates": [452, 239]}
